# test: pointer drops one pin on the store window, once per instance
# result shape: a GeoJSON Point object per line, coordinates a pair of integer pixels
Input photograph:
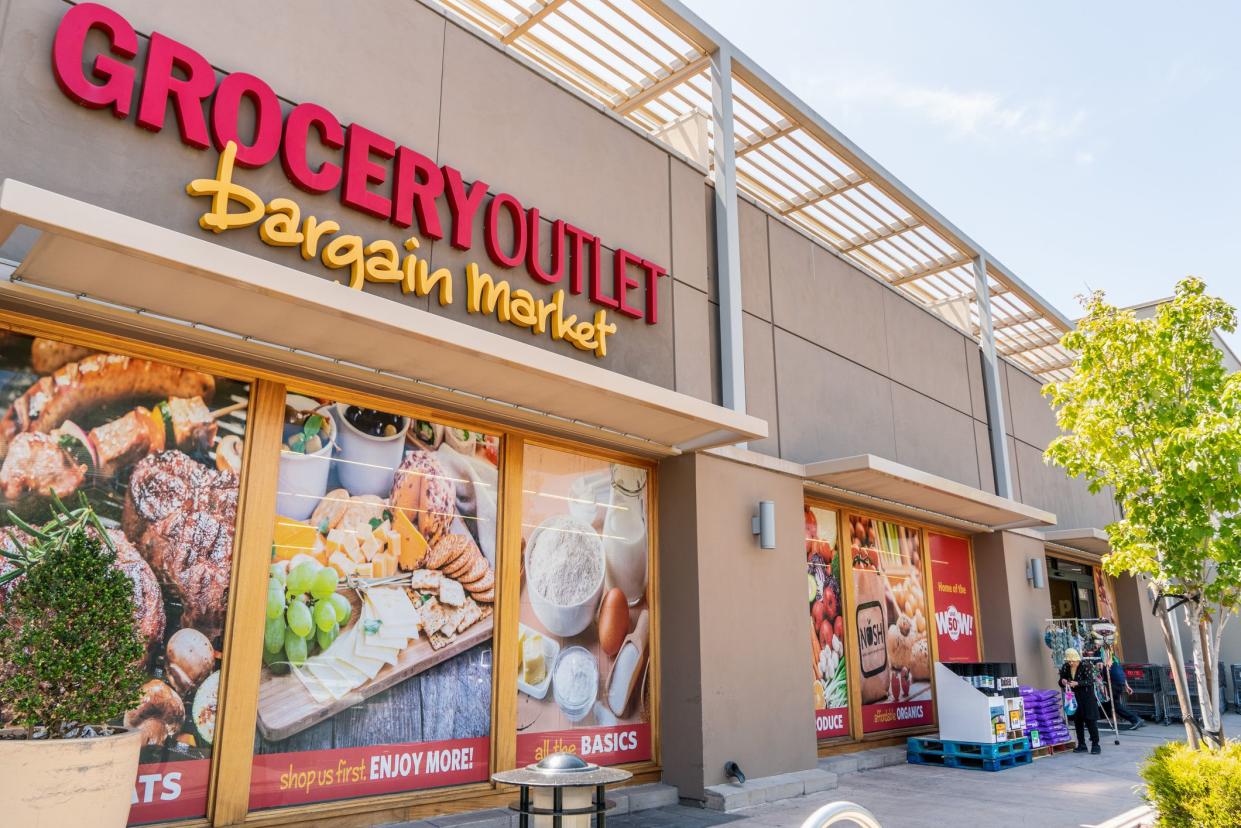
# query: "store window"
{"type": "Point", "coordinates": [155, 451]}
{"type": "Point", "coordinates": [891, 625]}
{"type": "Point", "coordinates": [827, 623]}
{"type": "Point", "coordinates": [380, 609]}
{"type": "Point", "coordinates": [585, 620]}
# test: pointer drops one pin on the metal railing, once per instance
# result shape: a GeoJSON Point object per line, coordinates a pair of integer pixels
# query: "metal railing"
{"type": "Point", "coordinates": [841, 811]}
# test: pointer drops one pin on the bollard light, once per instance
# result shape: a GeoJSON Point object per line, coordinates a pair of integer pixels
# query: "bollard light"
{"type": "Point", "coordinates": [561, 791]}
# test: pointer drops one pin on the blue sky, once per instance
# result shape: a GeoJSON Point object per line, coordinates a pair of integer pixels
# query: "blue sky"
{"type": "Point", "coordinates": [1085, 145]}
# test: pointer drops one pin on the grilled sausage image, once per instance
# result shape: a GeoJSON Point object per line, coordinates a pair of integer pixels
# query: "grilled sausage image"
{"type": "Point", "coordinates": [47, 355]}
{"type": "Point", "coordinates": [96, 381]}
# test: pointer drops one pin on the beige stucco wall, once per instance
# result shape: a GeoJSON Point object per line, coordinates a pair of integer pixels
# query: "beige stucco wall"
{"type": "Point", "coordinates": [404, 70]}
{"type": "Point", "coordinates": [742, 636]}
{"type": "Point", "coordinates": [1012, 612]}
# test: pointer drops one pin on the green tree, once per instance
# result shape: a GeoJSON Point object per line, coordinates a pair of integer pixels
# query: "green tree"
{"type": "Point", "coordinates": [1151, 413]}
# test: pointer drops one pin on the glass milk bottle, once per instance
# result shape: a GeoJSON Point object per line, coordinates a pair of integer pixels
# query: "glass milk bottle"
{"type": "Point", "coordinates": [624, 533]}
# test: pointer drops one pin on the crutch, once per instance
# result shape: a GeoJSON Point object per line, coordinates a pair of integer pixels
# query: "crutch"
{"type": "Point", "coordinates": [1105, 689]}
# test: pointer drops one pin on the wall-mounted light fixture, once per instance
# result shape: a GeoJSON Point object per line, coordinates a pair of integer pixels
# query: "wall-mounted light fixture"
{"type": "Point", "coordinates": [1035, 573]}
{"type": "Point", "coordinates": [764, 524]}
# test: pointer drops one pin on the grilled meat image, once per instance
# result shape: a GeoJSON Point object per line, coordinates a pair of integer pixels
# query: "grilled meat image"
{"type": "Point", "coordinates": [48, 355]}
{"type": "Point", "coordinates": [180, 514]}
{"type": "Point", "coordinates": [37, 465]}
{"type": "Point", "coordinates": [98, 380]}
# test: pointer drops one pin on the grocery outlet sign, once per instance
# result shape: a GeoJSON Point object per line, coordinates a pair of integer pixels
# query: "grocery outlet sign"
{"type": "Point", "coordinates": [375, 176]}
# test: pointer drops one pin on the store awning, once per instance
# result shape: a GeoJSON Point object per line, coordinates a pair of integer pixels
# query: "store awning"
{"type": "Point", "coordinates": [1090, 539]}
{"type": "Point", "coordinates": [136, 278]}
{"type": "Point", "coordinates": [894, 487]}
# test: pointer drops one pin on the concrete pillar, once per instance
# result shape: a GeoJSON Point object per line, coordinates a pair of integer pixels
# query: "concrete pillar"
{"type": "Point", "coordinates": [1012, 612]}
{"type": "Point", "coordinates": [727, 232]}
{"type": "Point", "coordinates": [1141, 640]}
{"type": "Point", "coordinates": [993, 386]}
{"type": "Point", "coordinates": [734, 628]}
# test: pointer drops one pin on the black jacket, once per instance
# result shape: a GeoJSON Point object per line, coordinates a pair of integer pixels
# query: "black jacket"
{"type": "Point", "coordinates": [1087, 704]}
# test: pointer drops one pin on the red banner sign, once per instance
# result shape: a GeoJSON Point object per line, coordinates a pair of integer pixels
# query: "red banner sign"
{"type": "Point", "coordinates": [831, 721]}
{"type": "Point", "coordinates": [598, 745]}
{"type": "Point", "coordinates": [895, 715]}
{"type": "Point", "coordinates": [956, 606]}
{"type": "Point", "coordinates": [318, 775]}
{"type": "Point", "coordinates": [166, 791]}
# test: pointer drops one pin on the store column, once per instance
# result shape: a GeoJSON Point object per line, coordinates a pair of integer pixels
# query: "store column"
{"type": "Point", "coordinates": [734, 632]}
{"type": "Point", "coordinates": [1012, 610]}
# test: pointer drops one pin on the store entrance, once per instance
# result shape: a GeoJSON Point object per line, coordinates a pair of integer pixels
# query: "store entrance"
{"type": "Point", "coordinates": [1072, 590]}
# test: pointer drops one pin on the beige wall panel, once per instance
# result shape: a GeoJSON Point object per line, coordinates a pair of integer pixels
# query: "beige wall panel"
{"type": "Point", "coordinates": [380, 67]}
{"type": "Point", "coordinates": [755, 275]}
{"type": "Point", "coordinates": [681, 702]}
{"type": "Point", "coordinates": [982, 452]}
{"type": "Point", "coordinates": [924, 353]}
{"type": "Point", "coordinates": [691, 244]}
{"type": "Point", "coordinates": [835, 306]}
{"type": "Point", "coordinates": [1139, 631]}
{"type": "Point", "coordinates": [697, 359]}
{"type": "Point", "coordinates": [830, 407]}
{"type": "Point", "coordinates": [1005, 370]}
{"type": "Point", "coordinates": [933, 437]}
{"type": "Point", "coordinates": [760, 380]}
{"type": "Point", "coordinates": [1013, 612]}
{"type": "Point", "coordinates": [757, 702]}
{"type": "Point", "coordinates": [1033, 419]}
{"type": "Point", "coordinates": [1047, 487]}
{"type": "Point", "coordinates": [978, 392]}
{"type": "Point", "coordinates": [523, 135]}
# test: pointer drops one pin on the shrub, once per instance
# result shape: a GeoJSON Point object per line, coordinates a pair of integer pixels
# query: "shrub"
{"type": "Point", "coordinates": [69, 646]}
{"type": "Point", "coordinates": [1195, 788]}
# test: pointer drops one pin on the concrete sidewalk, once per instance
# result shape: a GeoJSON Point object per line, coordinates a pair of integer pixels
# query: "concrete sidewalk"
{"type": "Point", "coordinates": [1064, 791]}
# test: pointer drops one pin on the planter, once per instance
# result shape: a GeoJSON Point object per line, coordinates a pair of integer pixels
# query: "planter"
{"type": "Point", "coordinates": [54, 782]}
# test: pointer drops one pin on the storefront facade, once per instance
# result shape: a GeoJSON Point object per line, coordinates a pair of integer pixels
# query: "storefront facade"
{"type": "Point", "coordinates": [421, 350]}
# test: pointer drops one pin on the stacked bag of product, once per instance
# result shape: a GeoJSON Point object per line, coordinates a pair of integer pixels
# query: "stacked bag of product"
{"type": "Point", "coordinates": [1045, 713]}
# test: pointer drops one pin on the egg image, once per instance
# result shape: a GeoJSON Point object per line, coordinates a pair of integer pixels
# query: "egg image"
{"type": "Point", "coordinates": [613, 621]}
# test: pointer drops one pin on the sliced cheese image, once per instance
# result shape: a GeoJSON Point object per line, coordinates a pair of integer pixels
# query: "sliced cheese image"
{"type": "Point", "coordinates": [392, 606]}
{"type": "Point", "coordinates": [385, 654]}
{"type": "Point", "coordinates": [388, 628]}
{"type": "Point", "coordinates": [353, 674]}
{"type": "Point", "coordinates": [343, 648]}
{"type": "Point", "coordinates": [313, 686]}
{"type": "Point", "coordinates": [331, 678]}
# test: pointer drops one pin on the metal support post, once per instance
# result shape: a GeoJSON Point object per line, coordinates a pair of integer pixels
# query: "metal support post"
{"type": "Point", "coordinates": [992, 383]}
{"type": "Point", "coordinates": [727, 238]}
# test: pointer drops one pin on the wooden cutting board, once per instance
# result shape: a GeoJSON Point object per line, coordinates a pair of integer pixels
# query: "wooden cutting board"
{"type": "Point", "coordinates": [286, 707]}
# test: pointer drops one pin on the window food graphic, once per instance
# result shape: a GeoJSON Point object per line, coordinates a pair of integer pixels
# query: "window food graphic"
{"type": "Point", "coordinates": [381, 593]}
{"type": "Point", "coordinates": [891, 624]}
{"type": "Point", "coordinates": [585, 625]}
{"type": "Point", "coordinates": [827, 624]}
{"type": "Point", "coordinates": [956, 608]}
{"type": "Point", "coordinates": [154, 451]}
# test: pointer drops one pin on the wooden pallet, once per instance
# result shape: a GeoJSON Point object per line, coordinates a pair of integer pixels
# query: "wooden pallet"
{"type": "Point", "coordinates": [1011, 760]}
{"type": "Point", "coordinates": [1052, 750]}
{"type": "Point", "coordinates": [976, 750]}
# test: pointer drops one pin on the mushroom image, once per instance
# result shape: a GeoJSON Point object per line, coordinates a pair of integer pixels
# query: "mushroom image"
{"type": "Point", "coordinates": [189, 659]}
{"type": "Point", "coordinates": [159, 714]}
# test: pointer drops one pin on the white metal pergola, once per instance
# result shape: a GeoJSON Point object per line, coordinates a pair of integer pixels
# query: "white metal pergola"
{"type": "Point", "coordinates": [660, 67]}
{"type": "Point", "coordinates": [649, 61]}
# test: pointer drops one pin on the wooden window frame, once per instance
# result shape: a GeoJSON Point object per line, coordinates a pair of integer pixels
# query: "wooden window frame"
{"type": "Point", "coordinates": [232, 754]}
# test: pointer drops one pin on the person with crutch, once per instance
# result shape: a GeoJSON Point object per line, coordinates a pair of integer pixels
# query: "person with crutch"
{"type": "Point", "coordinates": [1118, 687]}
